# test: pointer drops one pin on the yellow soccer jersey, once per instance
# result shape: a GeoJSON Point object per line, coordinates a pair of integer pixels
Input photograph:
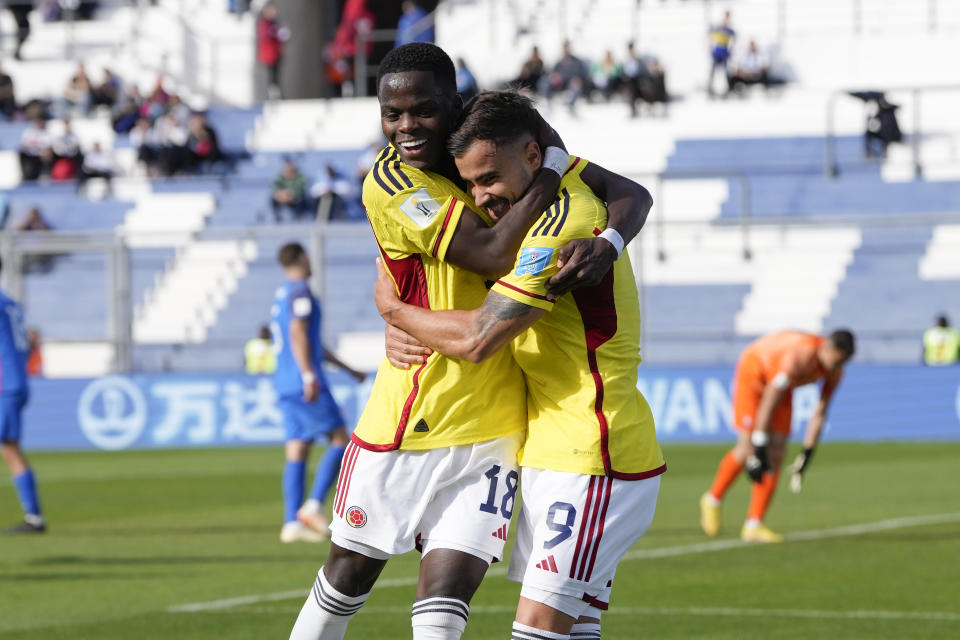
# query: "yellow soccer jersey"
{"type": "Point", "coordinates": [585, 414]}
{"type": "Point", "coordinates": [445, 401]}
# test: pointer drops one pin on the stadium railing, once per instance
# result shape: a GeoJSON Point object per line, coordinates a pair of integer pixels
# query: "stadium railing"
{"type": "Point", "coordinates": [830, 166]}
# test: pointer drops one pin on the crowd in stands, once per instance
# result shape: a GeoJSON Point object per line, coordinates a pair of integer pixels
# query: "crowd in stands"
{"type": "Point", "coordinates": [639, 78]}
{"type": "Point", "coordinates": [332, 195]}
{"type": "Point", "coordinates": [169, 137]}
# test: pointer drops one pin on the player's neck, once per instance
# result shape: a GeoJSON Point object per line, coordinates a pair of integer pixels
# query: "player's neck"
{"type": "Point", "coordinates": [448, 170]}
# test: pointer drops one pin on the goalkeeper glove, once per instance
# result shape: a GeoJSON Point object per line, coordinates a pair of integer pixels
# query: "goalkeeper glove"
{"type": "Point", "coordinates": [797, 469]}
{"type": "Point", "coordinates": [757, 463]}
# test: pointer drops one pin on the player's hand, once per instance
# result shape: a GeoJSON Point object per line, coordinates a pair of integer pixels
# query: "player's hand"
{"type": "Point", "coordinates": [582, 262]}
{"type": "Point", "coordinates": [311, 386]}
{"type": "Point", "coordinates": [385, 292]}
{"type": "Point", "coordinates": [403, 349]}
{"type": "Point", "coordinates": [757, 462]}
{"type": "Point", "coordinates": [797, 468]}
{"type": "Point", "coordinates": [547, 135]}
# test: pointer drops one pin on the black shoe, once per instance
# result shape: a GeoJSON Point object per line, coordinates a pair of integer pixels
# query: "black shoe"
{"type": "Point", "coordinates": [25, 527]}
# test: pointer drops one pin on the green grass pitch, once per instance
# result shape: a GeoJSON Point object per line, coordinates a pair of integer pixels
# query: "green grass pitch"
{"type": "Point", "coordinates": [134, 535]}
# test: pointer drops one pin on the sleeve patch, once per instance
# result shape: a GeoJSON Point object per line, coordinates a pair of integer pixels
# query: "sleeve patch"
{"type": "Point", "coordinates": [533, 260]}
{"type": "Point", "coordinates": [302, 307]}
{"type": "Point", "coordinates": [781, 380]}
{"type": "Point", "coordinates": [420, 207]}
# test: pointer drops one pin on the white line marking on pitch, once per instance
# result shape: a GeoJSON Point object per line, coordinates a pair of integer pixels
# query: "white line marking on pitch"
{"type": "Point", "coordinates": [858, 614]}
{"type": "Point", "coordinates": [663, 552]}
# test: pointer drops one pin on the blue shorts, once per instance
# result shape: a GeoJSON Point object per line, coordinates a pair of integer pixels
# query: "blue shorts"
{"type": "Point", "coordinates": [309, 420]}
{"type": "Point", "coordinates": [11, 406]}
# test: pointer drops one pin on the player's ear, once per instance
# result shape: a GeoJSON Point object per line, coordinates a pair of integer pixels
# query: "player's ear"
{"type": "Point", "coordinates": [456, 111]}
{"type": "Point", "coordinates": [532, 155]}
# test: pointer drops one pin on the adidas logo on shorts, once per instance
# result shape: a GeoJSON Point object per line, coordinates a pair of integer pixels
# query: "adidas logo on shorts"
{"type": "Point", "coordinates": [548, 564]}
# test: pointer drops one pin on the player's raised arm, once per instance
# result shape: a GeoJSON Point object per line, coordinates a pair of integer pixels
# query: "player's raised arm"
{"type": "Point", "coordinates": [586, 261]}
{"type": "Point", "coordinates": [472, 335]}
{"type": "Point", "coordinates": [491, 251]}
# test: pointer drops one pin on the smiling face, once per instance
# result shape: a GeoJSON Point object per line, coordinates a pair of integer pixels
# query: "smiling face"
{"type": "Point", "coordinates": [498, 175]}
{"type": "Point", "coordinates": [416, 115]}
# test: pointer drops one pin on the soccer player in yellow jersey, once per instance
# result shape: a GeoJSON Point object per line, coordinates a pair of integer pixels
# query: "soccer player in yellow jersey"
{"type": "Point", "coordinates": [591, 462]}
{"type": "Point", "coordinates": [433, 461]}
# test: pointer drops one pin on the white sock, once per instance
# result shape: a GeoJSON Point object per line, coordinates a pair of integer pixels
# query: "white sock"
{"type": "Point", "coordinates": [585, 631]}
{"type": "Point", "coordinates": [711, 500]}
{"type": "Point", "coordinates": [523, 632]}
{"type": "Point", "coordinates": [326, 612]}
{"type": "Point", "coordinates": [439, 618]}
{"type": "Point", "coordinates": [312, 506]}
{"type": "Point", "coordinates": [752, 523]}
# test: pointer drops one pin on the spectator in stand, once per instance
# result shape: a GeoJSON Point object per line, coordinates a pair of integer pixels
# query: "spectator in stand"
{"type": "Point", "coordinates": [606, 75]}
{"type": "Point", "coordinates": [356, 18]}
{"type": "Point", "coordinates": [337, 195]}
{"type": "Point", "coordinates": [570, 74]}
{"type": "Point", "coordinates": [203, 148]}
{"type": "Point", "coordinates": [34, 148]}
{"type": "Point", "coordinates": [258, 355]}
{"type": "Point", "coordinates": [8, 103]}
{"type": "Point", "coordinates": [108, 91]}
{"type": "Point", "coordinates": [289, 192]}
{"type": "Point", "coordinates": [721, 39]}
{"type": "Point", "coordinates": [171, 138]}
{"type": "Point", "coordinates": [156, 103]}
{"type": "Point", "coordinates": [238, 7]}
{"type": "Point", "coordinates": [78, 96]}
{"type": "Point", "coordinates": [33, 220]}
{"type": "Point", "coordinates": [941, 344]}
{"type": "Point", "coordinates": [271, 35]}
{"type": "Point", "coordinates": [882, 127]}
{"type": "Point", "coordinates": [633, 70]}
{"type": "Point", "coordinates": [125, 118]}
{"type": "Point", "coordinates": [21, 14]}
{"type": "Point", "coordinates": [96, 164]}
{"type": "Point", "coordinates": [67, 156]}
{"type": "Point", "coordinates": [751, 67]}
{"type": "Point", "coordinates": [181, 112]}
{"type": "Point", "coordinates": [530, 72]}
{"type": "Point", "coordinates": [653, 83]}
{"type": "Point", "coordinates": [34, 354]}
{"type": "Point", "coordinates": [143, 138]}
{"type": "Point", "coordinates": [466, 83]}
{"type": "Point", "coordinates": [415, 25]}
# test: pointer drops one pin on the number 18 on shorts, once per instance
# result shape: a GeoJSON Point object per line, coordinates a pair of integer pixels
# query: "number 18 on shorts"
{"type": "Point", "coordinates": [574, 529]}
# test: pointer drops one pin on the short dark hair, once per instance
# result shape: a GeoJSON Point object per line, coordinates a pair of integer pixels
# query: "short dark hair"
{"type": "Point", "coordinates": [290, 253]}
{"type": "Point", "coordinates": [497, 116]}
{"type": "Point", "coordinates": [942, 320]}
{"type": "Point", "coordinates": [844, 341]}
{"type": "Point", "coordinates": [420, 56]}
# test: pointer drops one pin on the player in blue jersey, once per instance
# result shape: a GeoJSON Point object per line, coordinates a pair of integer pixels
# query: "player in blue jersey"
{"type": "Point", "coordinates": [13, 398]}
{"type": "Point", "coordinates": [303, 395]}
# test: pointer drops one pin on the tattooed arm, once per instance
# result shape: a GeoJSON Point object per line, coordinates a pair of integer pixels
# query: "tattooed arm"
{"type": "Point", "coordinates": [473, 335]}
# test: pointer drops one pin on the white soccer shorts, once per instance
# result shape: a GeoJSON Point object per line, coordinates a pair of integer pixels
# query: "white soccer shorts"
{"type": "Point", "coordinates": [454, 497]}
{"type": "Point", "coordinates": [574, 529]}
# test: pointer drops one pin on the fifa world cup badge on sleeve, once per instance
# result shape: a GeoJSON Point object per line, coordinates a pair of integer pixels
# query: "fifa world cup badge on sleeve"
{"type": "Point", "coordinates": [533, 260]}
{"type": "Point", "coordinates": [420, 207]}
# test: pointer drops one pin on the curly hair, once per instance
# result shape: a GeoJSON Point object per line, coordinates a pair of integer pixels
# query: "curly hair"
{"type": "Point", "coordinates": [420, 56]}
